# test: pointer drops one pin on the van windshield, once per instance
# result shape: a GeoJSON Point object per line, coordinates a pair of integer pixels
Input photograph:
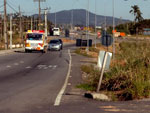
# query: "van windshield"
{"type": "Point", "coordinates": [34, 36]}
{"type": "Point", "coordinates": [56, 30]}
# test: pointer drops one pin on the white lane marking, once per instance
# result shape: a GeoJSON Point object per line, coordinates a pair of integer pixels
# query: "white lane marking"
{"type": "Point", "coordinates": [50, 66]}
{"type": "Point", "coordinates": [59, 96]}
{"type": "Point", "coordinates": [45, 68]}
{"type": "Point", "coordinates": [28, 67]}
{"type": "Point", "coordinates": [21, 62]}
{"type": "Point", "coordinates": [55, 66]}
{"type": "Point", "coordinates": [69, 84]}
{"type": "Point", "coordinates": [41, 66]}
{"type": "Point", "coordinates": [8, 66]}
{"type": "Point", "coordinates": [16, 64]}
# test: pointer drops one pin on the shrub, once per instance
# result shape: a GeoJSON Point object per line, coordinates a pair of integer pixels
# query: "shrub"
{"type": "Point", "coordinates": [129, 74]}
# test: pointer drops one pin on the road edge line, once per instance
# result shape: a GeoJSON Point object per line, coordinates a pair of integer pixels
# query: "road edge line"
{"type": "Point", "coordinates": [59, 96]}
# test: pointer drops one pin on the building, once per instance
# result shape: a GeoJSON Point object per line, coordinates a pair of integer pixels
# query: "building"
{"type": "Point", "coordinates": [146, 31]}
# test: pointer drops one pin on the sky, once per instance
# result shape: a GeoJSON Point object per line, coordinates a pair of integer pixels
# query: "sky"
{"type": "Point", "coordinates": [103, 7]}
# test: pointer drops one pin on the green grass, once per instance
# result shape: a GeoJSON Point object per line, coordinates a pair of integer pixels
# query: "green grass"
{"type": "Point", "coordinates": [80, 52]}
{"type": "Point", "coordinates": [129, 75]}
{"type": "Point", "coordinates": [86, 87]}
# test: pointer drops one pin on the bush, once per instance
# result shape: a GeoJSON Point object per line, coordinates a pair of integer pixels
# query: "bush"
{"type": "Point", "coordinates": [129, 75]}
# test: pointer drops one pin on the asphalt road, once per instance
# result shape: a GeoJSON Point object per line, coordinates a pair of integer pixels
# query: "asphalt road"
{"type": "Point", "coordinates": [30, 83]}
{"type": "Point", "coordinates": [31, 80]}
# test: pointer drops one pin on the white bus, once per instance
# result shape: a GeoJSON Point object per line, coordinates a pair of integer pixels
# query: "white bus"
{"type": "Point", "coordinates": [56, 31]}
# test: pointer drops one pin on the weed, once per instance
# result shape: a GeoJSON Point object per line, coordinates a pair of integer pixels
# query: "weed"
{"type": "Point", "coordinates": [86, 87]}
{"type": "Point", "coordinates": [129, 74]}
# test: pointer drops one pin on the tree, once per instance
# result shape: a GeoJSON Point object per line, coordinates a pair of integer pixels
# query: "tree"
{"type": "Point", "coordinates": [137, 13]}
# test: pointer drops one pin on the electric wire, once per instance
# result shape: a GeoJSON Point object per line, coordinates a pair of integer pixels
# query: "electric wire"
{"type": "Point", "coordinates": [12, 8]}
{"type": "Point", "coordinates": [1, 6]}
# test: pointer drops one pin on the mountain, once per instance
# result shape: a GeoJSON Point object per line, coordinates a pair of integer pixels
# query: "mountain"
{"type": "Point", "coordinates": [79, 18]}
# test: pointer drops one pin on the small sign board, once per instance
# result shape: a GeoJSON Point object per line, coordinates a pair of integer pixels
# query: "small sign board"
{"type": "Point", "coordinates": [101, 59]}
{"type": "Point", "coordinates": [106, 39]}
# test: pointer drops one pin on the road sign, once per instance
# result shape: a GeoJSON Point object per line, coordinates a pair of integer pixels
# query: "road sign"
{"type": "Point", "coordinates": [105, 62]}
{"type": "Point", "coordinates": [101, 59]}
{"type": "Point", "coordinates": [106, 39]}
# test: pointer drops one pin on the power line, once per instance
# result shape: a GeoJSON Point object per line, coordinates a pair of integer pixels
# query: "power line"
{"type": "Point", "coordinates": [12, 8]}
{"type": "Point", "coordinates": [2, 6]}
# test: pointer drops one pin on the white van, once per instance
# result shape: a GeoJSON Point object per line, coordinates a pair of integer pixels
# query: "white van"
{"type": "Point", "coordinates": [56, 31]}
{"type": "Point", "coordinates": [35, 40]}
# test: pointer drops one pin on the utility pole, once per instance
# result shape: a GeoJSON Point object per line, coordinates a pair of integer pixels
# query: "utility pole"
{"type": "Point", "coordinates": [20, 25]}
{"type": "Point", "coordinates": [1, 26]}
{"type": "Point", "coordinates": [46, 22]}
{"type": "Point", "coordinates": [10, 31]}
{"type": "Point", "coordinates": [39, 14]}
{"type": "Point", "coordinates": [113, 30]}
{"type": "Point", "coordinates": [87, 48]}
{"type": "Point", "coordinates": [31, 24]}
{"type": "Point", "coordinates": [55, 18]}
{"type": "Point", "coordinates": [5, 26]}
{"type": "Point", "coordinates": [95, 22]}
{"type": "Point", "coordinates": [39, 1]}
{"type": "Point", "coordinates": [72, 20]}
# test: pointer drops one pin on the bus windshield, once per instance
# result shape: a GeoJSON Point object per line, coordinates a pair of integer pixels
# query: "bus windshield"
{"type": "Point", "coordinates": [34, 36]}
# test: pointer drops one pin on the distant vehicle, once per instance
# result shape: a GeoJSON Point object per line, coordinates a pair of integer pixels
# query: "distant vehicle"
{"type": "Point", "coordinates": [35, 41]}
{"type": "Point", "coordinates": [54, 45]}
{"type": "Point", "coordinates": [56, 31]}
{"type": "Point", "coordinates": [61, 43]}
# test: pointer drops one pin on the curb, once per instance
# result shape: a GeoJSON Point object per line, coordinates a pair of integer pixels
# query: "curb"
{"type": "Point", "coordinates": [97, 96]}
{"type": "Point", "coordinates": [3, 52]}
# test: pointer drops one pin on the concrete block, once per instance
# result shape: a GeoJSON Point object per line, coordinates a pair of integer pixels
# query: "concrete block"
{"type": "Point", "coordinates": [97, 96]}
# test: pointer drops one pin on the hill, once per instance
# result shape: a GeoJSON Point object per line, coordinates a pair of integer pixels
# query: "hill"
{"type": "Point", "coordinates": [79, 18]}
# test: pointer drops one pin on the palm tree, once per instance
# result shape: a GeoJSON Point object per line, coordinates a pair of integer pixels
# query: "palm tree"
{"type": "Point", "coordinates": [137, 13]}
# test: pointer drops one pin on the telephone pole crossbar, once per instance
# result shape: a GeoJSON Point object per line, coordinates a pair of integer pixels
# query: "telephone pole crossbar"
{"type": "Point", "coordinates": [39, 10]}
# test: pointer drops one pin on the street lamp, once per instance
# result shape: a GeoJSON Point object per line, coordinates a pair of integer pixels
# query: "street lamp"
{"type": "Point", "coordinates": [95, 23]}
{"type": "Point", "coordinates": [55, 18]}
{"type": "Point", "coordinates": [113, 31]}
{"type": "Point", "coordinates": [87, 25]}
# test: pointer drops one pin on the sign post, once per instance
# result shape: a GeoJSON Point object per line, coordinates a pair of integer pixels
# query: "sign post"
{"type": "Point", "coordinates": [104, 57]}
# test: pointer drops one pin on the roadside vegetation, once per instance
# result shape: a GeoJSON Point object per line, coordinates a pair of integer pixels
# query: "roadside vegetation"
{"type": "Point", "coordinates": [129, 75]}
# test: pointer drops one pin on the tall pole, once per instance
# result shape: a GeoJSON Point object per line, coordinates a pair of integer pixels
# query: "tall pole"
{"type": "Point", "coordinates": [95, 22]}
{"type": "Point", "coordinates": [5, 26]}
{"type": "Point", "coordinates": [87, 25]}
{"type": "Point", "coordinates": [72, 23]}
{"type": "Point", "coordinates": [1, 29]}
{"type": "Point", "coordinates": [31, 23]}
{"type": "Point", "coordinates": [55, 18]}
{"type": "Point", "coordinates": [113, 32]}
{"type": "Point", "coordinates": [39, 14]}
{"type": "Point", "coordinates": [72, 20]}
{"type": "Point", "coordinates": [87, 49]}
{"type": "Point", "coordinates": [10, 31]}
{"type": "Point", "coordinates": [46, 22]}
{"type": "Point", "coordinates": [20, 24]}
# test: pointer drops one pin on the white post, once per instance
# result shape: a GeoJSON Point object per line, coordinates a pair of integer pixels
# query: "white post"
{"type": "Point", "coordinates": [102, 71]}
{"type": "Point", "coordinates": [95, 22]}
{"type": "Point", "coordinates": [113, 32]}
{"type": "Point", "coordinates": [31, 24]}
{"type": "Point", "coordinates": [10, 31]}
{"type": "Point", "coordinates": [55, 18]}
{"type": "Point", "coordinates": [87, 49]}
{"type": "Point", "coordinates": [45, 22]}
